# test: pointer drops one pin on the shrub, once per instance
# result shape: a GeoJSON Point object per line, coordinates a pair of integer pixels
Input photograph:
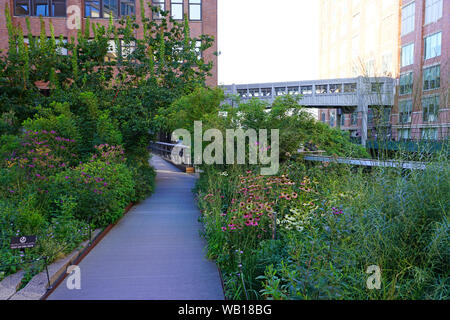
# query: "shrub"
{"type": "Point", "coordinates": [101, 190]}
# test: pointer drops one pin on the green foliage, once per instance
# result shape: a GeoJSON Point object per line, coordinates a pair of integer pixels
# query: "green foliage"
{"type": "Point", "coordinates": [100, 189]}
{"type": "Point", "coordinates": [200, 105]}
{"type": "Point", "coordinates": [76, 118]}
{"type": "Point", "coordinates": [339, 222]}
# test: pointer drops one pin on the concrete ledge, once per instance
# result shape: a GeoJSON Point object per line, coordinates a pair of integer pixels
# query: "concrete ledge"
{"type": "Point", "coordinates": [38, 285]}
{"type": "Point", "coordinates": [10, 285]}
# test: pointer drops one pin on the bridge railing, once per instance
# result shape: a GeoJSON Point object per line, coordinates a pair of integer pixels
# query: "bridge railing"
{"type": "Point", "coordinates": [181, 154]}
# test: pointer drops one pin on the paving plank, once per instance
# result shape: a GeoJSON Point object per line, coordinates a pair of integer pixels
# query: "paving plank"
{"type": "Point", "coordinates": [154, 253]}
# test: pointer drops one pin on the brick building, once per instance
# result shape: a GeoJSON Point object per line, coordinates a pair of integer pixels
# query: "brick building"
{"type": "Point", "coordinates": [202, 16]}
{"type": "Point", "coordinates": [422, 110]}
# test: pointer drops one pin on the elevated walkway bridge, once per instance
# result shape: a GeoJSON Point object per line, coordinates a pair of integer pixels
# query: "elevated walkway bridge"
{"type": "Point", "coordinates": [347, 95]}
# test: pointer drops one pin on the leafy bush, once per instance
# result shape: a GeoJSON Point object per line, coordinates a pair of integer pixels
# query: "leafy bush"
{"type": "Point", "coordinates": [101, 190]}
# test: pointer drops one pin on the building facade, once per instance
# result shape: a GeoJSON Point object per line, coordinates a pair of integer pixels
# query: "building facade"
{"type": "Point", "coordinates": [407, 40]}
{"type": "Point", "coordinates": [202, 16]}
{"type": "Point", "coordinates": [422, 110]}
{"type": "Point", "coordinates": [358, 38]}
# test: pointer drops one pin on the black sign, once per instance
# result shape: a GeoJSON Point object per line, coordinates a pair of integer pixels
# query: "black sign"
{"type": "Point", "coordinates": [23, 242]}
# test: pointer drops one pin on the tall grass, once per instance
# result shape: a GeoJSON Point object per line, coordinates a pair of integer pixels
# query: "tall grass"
{"type": "Point", "coordinates": [393, 218]}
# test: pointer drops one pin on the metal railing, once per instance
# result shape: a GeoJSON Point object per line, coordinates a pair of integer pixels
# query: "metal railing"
{"type": "Point", "coordinates": [176, 153]}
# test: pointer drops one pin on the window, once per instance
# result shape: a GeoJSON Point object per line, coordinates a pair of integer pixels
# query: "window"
{"type": "Point", "coordinates": [293, 90]}
{"type": "Point", "coordinates": [354, 119]}
{"type": "Point", "coordinates": [335, 88]}
{"type": "Point", "coordinates": [377, 87]}
{"type": "Point", "coordinates": [58, 8]}
{"type": "Point", "coordinates": [254, 92]}
{"type": "Point", "coordinates": [305, 90]}
{"type": "Point", "coordinates": [430, 133]}
{"type": "Point", "coordinates": [60, 45]}
{"type": "Point", "coordinates": [342, 123]}
{"type": "Point", "coordinates": [406, 83]}
{"type": "Point", "coordinates": [407, 55]}
{"type": "Point", "coordinates": [321, 89]}
{"type": "Point", "coordinates": [266, 92]}
{"type": "Point", "coordinates": [349, 87]}
{"type": "Point", "coordinates": [433, 11]}
{"type": "Point", "coordinates": [404, 134]}
{"type": "Point", "coordinates": [408, 13]}
{"type": "Point", "coordinates": [405, 110]}
{"type": "Point", "coordinates": [127, 8]}
{"type": "Point", "coordinates": [242, 93]}
{"type": "Point", "coordinates": [195, 10]}
{"type": "Point", "coordinates": [430, 108]}
{"type": "Point", "coordinates": [323, 117]}
{"type": "Point", "coordinates": [162, 7]}
{"type": "Point", "coordinates": [280, 91]}
{"type": "Point", "coordinates": [127, 48]}
{"type": "Point", "coordinates": [432, 77]}
{"type": "Point", "coordinates": [45, 8]}
{"type": "Point", "coordinates": [21, 8]}
{"type": "Point", "coordinates": [108, 8]}
{"type": "Point", "coordinates": [92, 9]}
{"type": "Point", "coordinates": [176, 9]}
{"type": "Point", "coordinates": [198, 49]}
{"type": "Point", "coordinates": [386, 116]}
{"type": "Point", "coordinates": [41, 8]}
{"type": "Point", "coordinates": [433, 46]}
{"type": "Point", "coordinates": [332, 118]}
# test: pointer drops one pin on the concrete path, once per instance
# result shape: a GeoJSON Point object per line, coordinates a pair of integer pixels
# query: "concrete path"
{"type": "Point", "coordinates": [154, 253]}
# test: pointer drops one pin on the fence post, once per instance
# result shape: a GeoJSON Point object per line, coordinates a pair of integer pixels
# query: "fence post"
{"type": "Point", "coordinates": [49, 287]}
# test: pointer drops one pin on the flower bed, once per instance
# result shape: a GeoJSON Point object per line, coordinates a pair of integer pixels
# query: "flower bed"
{"type": "Point", "coordinates": [312, 232]}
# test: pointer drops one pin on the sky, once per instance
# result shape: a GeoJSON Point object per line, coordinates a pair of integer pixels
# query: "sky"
{"type": "Point", "coordinates": [267, 40]}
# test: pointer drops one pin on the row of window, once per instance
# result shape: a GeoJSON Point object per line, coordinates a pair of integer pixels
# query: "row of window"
{"type": "Point", "coordinates": [105, 8]}
{"type": "Point", "coordinates": [426, 133]}
{"type": "Point", "coordinates": [431, 80]}
{"type": "Point", "coordinates": [433, 12]}
{"type": "Point", "coordinates": [177, 9]}
{"type": "Point", "coordinates": [430, 110]}
{"type": "Point", "coordinates": [353, 118]}
{"type": "Point", "coordinates": [432, 49]}
{"type": "Point", "coordinates": [294, 90]}
{"type": "Point", "coordinates": [45, 8]}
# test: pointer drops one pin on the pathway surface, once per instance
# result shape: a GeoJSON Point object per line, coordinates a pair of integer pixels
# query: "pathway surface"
{"type": "Point", "coordinates": [154, 253]}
